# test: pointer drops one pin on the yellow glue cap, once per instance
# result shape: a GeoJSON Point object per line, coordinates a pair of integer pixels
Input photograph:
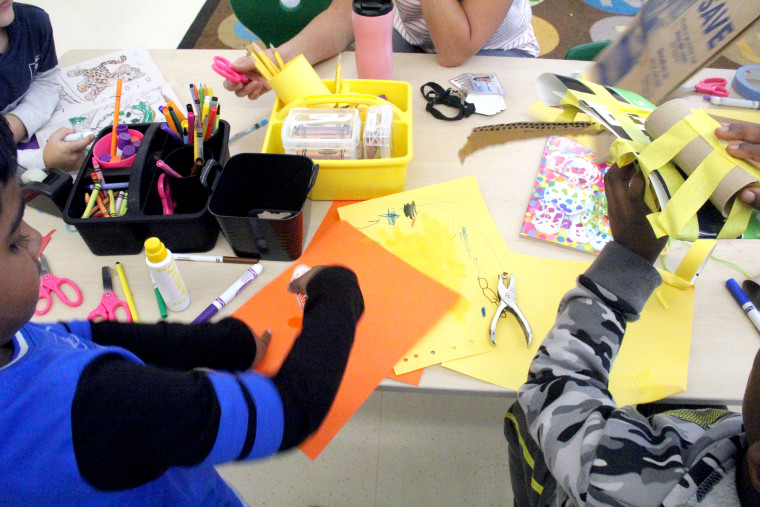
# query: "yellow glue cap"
{"type": "Point", "coordinates": [155, 251]}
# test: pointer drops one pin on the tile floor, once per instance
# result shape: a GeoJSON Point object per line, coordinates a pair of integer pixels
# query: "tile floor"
{"type": "Point", "coordinates": [399, 449]}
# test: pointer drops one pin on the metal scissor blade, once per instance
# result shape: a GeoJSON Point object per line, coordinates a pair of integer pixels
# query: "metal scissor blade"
{"type": "Point", "coordinates": [44, 264]}
{"type": "Point", "coordinates": [107, 283]}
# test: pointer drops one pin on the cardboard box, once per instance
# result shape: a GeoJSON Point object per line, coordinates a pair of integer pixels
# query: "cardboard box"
{"type": "Point", "coordinates": [669, 40]}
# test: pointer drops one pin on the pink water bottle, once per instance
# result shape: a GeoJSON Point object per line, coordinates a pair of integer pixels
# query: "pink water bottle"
{"type": "Point", "coordinates": [373, 32]}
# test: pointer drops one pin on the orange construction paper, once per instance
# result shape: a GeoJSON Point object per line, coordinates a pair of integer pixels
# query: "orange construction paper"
{"type": "Point", "coordinates": [401, 305]}
{"type": "Point", "coordinates": [331, 219]}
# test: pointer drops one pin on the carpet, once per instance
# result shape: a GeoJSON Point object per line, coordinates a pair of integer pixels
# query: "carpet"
{"type": "Point", "coordinates": [559, 26]}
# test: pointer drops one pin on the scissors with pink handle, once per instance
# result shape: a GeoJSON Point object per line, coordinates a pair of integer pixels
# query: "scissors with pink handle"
{"type": "Point", "coordinates": [223, 67]}
{"type": "Point", "coordinates": [711, 86]}
{"type": "Point", "coordinates": [51, 283]}
{"type": "Point", "coordinates": [165, 193]}
{"type": "Point", "coordinates": [109, 303]}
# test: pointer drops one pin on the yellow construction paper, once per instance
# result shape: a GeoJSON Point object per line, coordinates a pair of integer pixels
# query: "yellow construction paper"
{"type": "Point", "coordinates": [653, 360]}
{"type": "Point", "coordinates": [446, 232]}
{"type": "Point", "coordinates": [701, 184]}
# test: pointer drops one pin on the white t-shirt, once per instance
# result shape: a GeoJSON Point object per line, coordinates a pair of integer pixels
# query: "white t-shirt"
{"type": "Point", "coordinates": [515, 32]}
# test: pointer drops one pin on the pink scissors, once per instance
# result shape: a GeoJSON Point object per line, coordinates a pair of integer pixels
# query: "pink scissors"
{"type": "Point", "coordinates": [223, 67]}
{"type": "Point", "coordinates": [712, 86]}
{"type": "Point", "coordinates": [165, 193]}
{"type": "Point", "coordinates": [109, 303]}
{"type": "Point", "coordinates": [50, 283]}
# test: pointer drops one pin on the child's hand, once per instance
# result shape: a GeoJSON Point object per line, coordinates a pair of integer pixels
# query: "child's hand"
{"type": "Point", "coordinates": [300, 283]}
{"type": "Point", "coordinates": [746, 137]}
{"type": "Point", "coordinates": [627, 211]}
{"type": "Point", "coordinates": [66, 155]}
{"type": "Point", "coordinates": [746, 145]}
{"type": "Point", "coordinates": [255, 87]}
{"type": "Point", "coordinates": [262, 342]}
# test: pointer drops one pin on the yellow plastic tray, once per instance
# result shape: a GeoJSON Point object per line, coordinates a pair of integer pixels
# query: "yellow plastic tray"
{"type": "Point", "coordinates": [356, 179]}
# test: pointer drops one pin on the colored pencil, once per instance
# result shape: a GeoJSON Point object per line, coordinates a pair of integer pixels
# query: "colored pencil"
{"type": "Point", "coordinates": [115, 117]}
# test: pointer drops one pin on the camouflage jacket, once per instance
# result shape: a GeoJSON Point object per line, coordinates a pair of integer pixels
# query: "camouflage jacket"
{"type": "Point", "coordinates": [571, 445]}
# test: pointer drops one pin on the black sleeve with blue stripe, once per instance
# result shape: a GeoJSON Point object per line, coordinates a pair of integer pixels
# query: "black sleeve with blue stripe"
{"type": "Point", "coordinates": [131, 422]}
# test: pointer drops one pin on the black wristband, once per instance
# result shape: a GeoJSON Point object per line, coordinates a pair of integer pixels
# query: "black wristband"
{"type": "Point", "coordinates": [436, 95]}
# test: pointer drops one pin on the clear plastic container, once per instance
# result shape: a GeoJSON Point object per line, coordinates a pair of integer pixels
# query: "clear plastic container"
{"type": "Point", "coordinates": [378, 131]}
{"type": "Point", "coordinates": [323, 134]}
{"type": "Point", "coordinates": [358, 179]}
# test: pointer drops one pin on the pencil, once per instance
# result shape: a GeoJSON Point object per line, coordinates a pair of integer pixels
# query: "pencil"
{"type": "Point", "coordinates": [249, 130]}
{"type": "Point", "coordinates": [277, 57]}
{"type": "Point", "coordinates": [260, 63]}
{"type": "Point", "coordinates": [267, 62]}
{"type": "Point", "coordinates": [262, 70]}
{"type": "Point", "coordinates": [257, 62]}
{"type": "Point", "coordinates": [338, 69]}
{"type": "Point", "coordinates": [127, 293]}
{"type": "Point", "coordinates": [115, 117]}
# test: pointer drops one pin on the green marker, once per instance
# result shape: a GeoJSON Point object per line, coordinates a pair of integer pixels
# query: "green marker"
{"type": "Point", "coordinates": [159, 299]}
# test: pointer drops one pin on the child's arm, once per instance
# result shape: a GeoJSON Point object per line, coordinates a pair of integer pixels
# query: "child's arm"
{"type": "Point", "coordinates": [599, 453]}
{"type": "Point", "coordinates": [226, 345]}
{"type": "Point", "coordinates": [329, 33]}
{"type": "Point", "coordinates": [131, 422]}
{"type": "Point", "coordinates": [461, 29]}
{"type": "Point", "coordinates": [565, 402]}
{"type": "Point", "coordinates": [37, 105]}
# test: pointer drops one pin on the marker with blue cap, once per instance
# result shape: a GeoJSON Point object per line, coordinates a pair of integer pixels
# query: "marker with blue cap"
{"type": "Point", "coordinates": [741, 297]}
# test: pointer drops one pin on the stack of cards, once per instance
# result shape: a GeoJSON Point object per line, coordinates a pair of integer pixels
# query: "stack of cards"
{"type": "Point", "coordinates": [483, 90]}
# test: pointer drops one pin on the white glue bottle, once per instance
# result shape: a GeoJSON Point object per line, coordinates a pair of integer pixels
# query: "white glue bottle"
{"type": "Point", "coordinates": [161, 265]}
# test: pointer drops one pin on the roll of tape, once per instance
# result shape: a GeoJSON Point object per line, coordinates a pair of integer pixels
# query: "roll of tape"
{"type": "Point", "coordinates": [744, 79]}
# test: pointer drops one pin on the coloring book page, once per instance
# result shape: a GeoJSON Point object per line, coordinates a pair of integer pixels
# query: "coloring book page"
{"type": "Point", "coordinates": [88, 92]}
{"type": "Point", "coordinates": [568, 206]}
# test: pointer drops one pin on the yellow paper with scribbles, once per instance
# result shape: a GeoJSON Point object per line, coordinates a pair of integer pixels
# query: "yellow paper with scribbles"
{"type": "Point", "coordinates": [446, 232]}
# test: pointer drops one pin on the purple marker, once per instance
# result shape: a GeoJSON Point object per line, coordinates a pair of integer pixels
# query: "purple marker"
{"type": "Point", "coordinates": [230, 293]}
{"type": "Point", "coordinates": [166, 128]}
{"type": "Point", "coordinates": [105, 157]}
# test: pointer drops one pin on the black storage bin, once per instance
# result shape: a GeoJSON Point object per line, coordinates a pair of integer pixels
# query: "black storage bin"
{"type": "Point", "coordinates": [190, 229]}
{"type": "Point", "coordinates": [258, 199]}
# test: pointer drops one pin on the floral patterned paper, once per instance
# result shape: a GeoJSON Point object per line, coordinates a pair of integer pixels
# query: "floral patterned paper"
{"type": "Point", "coordinates": [568, 206]}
